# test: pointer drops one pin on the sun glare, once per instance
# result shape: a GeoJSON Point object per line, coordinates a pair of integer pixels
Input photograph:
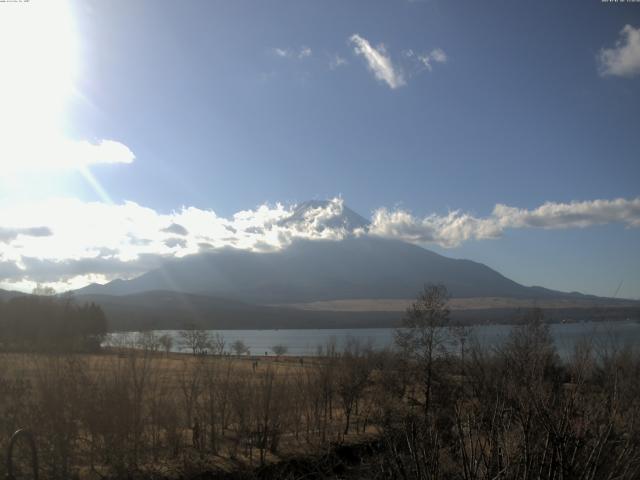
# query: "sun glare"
{"type": "Point", "coordinates": [38, 49]}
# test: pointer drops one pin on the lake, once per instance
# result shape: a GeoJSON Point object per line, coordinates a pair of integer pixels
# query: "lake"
{"type": "Point", "coordinates": [304, 342]}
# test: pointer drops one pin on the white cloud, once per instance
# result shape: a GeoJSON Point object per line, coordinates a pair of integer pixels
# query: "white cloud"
{"type": "Point", "coordinates": [304, 52]}
{"type": "Point", "coordinates": [624, 59]}
{"type": "Point", "coordinates": [456, 227]}
{"type": "Point", "coordinates": [572, 215]}
{"type": "Point", "coordinates": [448, 231]}
{"type": "Point", "coordinates": [378, 61]}
{"type": "Point", "coordinates": [105, 151]}
{"type": "Point", "coordinates": [57, 153]}
{"type": "Point", "coordinates": [336, 61]}
{"type": "Point", "coordinates": [281, 52]}
{"type": "Point", "coordinates": [436, 55]}
{"type": "Point", "coordinates": [299, 53]}
{"type": "Point", "coordinates": [69, 243]}
{"type": "Point", "coordinates": [426, 60]}
{"type": "Point", "coordinates": [82, 242]}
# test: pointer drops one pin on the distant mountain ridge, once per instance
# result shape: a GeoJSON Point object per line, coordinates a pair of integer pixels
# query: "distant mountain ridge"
{"type": "Point", "coordinates": [161, 310]}
{"type": "Point", "coordinates": [9, 294]}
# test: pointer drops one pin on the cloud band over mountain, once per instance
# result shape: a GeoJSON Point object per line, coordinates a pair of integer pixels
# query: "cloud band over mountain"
{"type": "Point", "coordinates": [70, 243]}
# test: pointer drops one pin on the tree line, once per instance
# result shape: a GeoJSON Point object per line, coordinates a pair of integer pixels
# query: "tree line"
{"type": "Point", "coordinates": [50, 323]}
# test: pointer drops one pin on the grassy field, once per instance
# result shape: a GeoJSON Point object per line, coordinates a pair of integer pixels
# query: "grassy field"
{"type": "Point", "coordinates": [118, 411]}
{"type": "Point", "coordinates": [514, 413]}
{"type": "Point", "coordinates": [480, 303]}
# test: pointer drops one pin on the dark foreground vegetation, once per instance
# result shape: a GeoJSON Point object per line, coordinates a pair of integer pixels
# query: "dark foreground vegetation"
{"type": "Point", "coordinates": [415, 413]}
{"type": "Point", "coordinates": [47, 323]}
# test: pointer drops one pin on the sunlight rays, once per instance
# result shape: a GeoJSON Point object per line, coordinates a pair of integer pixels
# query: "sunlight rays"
{"type": "Point", "coordinates": [95, 184]}
{"type": "Point", "coordinates": [39, 49]}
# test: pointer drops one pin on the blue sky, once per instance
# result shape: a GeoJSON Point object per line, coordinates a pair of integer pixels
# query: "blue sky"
{"type": "Point", "coordinates": [229, 105]}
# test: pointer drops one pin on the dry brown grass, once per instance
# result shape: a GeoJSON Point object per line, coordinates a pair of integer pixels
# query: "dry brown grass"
{"type": "Point", "coordinates": [125, 410]}
{"type": "Point", "coordinates": [471, 303]}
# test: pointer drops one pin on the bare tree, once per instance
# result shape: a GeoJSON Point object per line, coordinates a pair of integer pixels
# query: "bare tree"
{"type": "Point", "coordinates": [323, 385]}
{"type": "Point", "coordinates": [529, 350]}
{"type": "Point", "coordinates": [191, 381]}
{"type": "Point", "coordinates": [217, 343]}
{"type": "Point", "coordinates": [239, 347]}
{"type": "Point", "coordinates": [166, 342]}
{"type": "Point", "coordinates": [43, 290]}
{"type": "Point", "coordinates": [279, 349]}
{"type": "Point", "coordinates": [195, 339]}
{"type": "Point", "coordinates": [148, 341]}
{"type": "Point", "coordinates": [353, 377]}
{"type": "Point", "coordinates": [421, 335]}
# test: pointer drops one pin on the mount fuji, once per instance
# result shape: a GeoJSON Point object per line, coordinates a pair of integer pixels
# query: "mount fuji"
{"type": "Point", "coordinates": [357, 266]}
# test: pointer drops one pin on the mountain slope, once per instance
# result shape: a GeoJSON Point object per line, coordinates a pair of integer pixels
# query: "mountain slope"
{"type": "Point", "coordinates": [356, 267]}
{"type": "Point", "coordinates": [9, 294]}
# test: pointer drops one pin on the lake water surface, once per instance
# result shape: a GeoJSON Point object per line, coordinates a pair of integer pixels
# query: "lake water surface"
{"type": "Point", "coordinates": [306, 341]}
